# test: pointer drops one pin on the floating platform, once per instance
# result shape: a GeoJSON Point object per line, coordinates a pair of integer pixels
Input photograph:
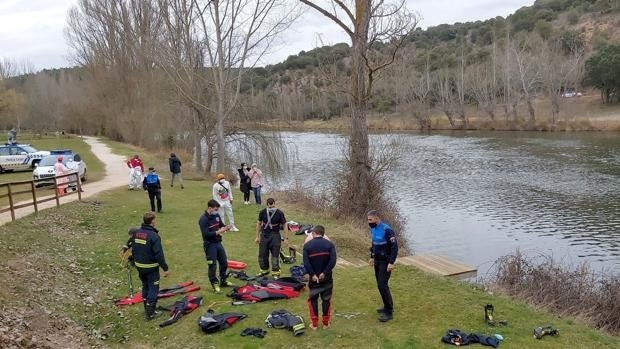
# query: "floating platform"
{"type": "Point", "coordinates": [439, 265]}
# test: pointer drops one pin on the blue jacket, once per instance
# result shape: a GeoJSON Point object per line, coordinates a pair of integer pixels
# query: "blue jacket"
{"type": "Point", "coordinates": [384, 244]}
{"type": "Point", "coordinates": [146, 248]}
{"type": "Point", "coordinates": [151, 182]}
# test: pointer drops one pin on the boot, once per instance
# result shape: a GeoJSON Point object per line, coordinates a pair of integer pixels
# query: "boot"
{"type": "Point", "coordinates": [151, 313]}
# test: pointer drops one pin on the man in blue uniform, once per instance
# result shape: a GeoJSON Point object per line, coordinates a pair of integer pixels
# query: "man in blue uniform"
{"type": "Point", "coordinates": [212, 228]}
{"type": "Point", "coordinates": [148, 256]}
{"type": "Point", "coordinates": [152, 185]}
{"type": "Point", "coordinates": [319, 261]}
{"type": "Point", "coordinates": [383, 254]}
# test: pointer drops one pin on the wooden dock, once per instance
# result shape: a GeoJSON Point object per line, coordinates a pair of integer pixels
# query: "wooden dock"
{"type": "Point", "coordinates": [439, 265]}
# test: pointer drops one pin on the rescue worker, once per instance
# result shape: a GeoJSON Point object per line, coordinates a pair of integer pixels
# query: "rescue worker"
{"type": "Point", "coordinates": [136, 167]}
{"type": "Point", "coordinates": [212, 228]}
{"type": "Point", "coordinates": [175, 169]}
{"type": "Point", "coordinates": [152, 185]}
{"type": "Point", "coordinates": [383, 254]}
{"type": "Point", "coordinates": [60, 170]}
{"type": "Point", "coordinates": [270, 221]}
{"type": "Point", "coordinates": [222, 193]}
{"type": "Point", "coordinates": [148, 256]}
{"type": "Point", "coordinates": [319, 261]}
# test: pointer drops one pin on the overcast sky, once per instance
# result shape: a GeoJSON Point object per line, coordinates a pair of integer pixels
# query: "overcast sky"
{"type": "Point", "coordinates": [33, 29]}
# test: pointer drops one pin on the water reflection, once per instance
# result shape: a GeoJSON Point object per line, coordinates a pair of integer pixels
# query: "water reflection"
{"type": "Point", "coordinates": [477, 196]}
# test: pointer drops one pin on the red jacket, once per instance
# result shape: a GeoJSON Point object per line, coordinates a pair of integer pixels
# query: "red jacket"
{"type": "Point", "coordinates": [135, 163]}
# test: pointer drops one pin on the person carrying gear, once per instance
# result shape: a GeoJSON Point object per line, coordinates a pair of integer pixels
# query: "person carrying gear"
{"type": "Point", "coordinates": [319, 261]}
{"type": "Point", "coordinates": [136, 167]}
{"type": "Point", "coordinates": [148, 255]}
{"type": "Point", "coordinates": [175, 170]}
{"type": "Point", "coordinates": [152, 185]}
{"type": "Point", "coordinates": [212, 228]}
{"type": "Point", "coordinates": [383, 254]}
{"type": "Point", "coordinates": [270, 221]}
{"type": "Point", "coordinates": [222, 193]}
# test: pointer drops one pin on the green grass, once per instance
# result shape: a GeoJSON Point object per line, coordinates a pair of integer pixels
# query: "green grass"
{"type": "Point", "coordinates": [94, 166]}
{"type": "Point", "coordinates": [90, 234]}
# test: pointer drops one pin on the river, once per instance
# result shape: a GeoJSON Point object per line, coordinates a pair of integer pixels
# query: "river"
{"type": "Point", "coordinates": [477, 196]}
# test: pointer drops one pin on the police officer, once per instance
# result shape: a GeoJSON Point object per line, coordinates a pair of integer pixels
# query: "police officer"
{"type": "Point", "coordinates": [270, 221]}
{"type": "Point", "coordinates": [148, 256]}
{"type": "Point", "coordinates": [383, 254]}
{"type": "Point", "coordinates": [152, 185]}
{"type": "Point", "coordinates": [212, 228]}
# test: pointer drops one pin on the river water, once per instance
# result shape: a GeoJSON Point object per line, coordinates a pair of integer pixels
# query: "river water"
{"type": "Point", "coordinates": [477, 196]}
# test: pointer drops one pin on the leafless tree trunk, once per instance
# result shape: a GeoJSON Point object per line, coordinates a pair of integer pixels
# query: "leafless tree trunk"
{"type": "Point", "coordinates": [369, 22]}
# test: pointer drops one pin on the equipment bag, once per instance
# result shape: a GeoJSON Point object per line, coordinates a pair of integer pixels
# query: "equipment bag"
{"type": "Point", "coordinates": [285, 319]}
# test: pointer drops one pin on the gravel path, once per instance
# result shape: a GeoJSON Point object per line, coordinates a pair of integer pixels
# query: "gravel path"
{"type": "Point", "coordinates": [116, 175]}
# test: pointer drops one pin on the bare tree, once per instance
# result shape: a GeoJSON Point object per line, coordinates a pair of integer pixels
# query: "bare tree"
{"type": "Point", "coordinates": [367, 23]}
{"type": "Point", "coordinates": [237, 34]}
{"type": "Point", "coordinates": [528, 75]}
{"type": "Point", "coordinates": [482, 88]}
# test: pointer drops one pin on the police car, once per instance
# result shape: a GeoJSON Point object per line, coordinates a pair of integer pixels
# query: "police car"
{"type": "Point", "coordinates": [45, 168]}
{"type": "Point", "coordinates": [19, 157]}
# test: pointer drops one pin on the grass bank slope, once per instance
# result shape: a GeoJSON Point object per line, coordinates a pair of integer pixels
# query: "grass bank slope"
{"type": "Point", "coordinates": [64, 263]}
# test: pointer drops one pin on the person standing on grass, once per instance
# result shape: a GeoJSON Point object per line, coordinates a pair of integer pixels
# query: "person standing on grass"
{"type": "Point", "coordinates": [222, 193]}
{"type": "Point", "coordinates": [60, 170]}
{"type": "Point", "coordinates": [152, 185]}
{"type": "Point", "coordinates": [148, 256]}
{"type": "Point", "coordinates": [212, 228]}
{"type": "Point", "coordinates": [319, 261]}
{"type": "Point", "coordinates": [175, 169]}
{"type": "Point", "coordinates": [256, 182]}
{"type": "Point", "coordinates": [383, 254]}
{"type": "Point", "coordinates": [244, 183]}
{"type": "Point", "coordinates": [270, 221]}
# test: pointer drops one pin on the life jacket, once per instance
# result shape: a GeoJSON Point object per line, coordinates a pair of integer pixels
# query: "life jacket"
{"type": "Point", "coordinates": [256, 293]}
{"type": "Point", "coordinates": [285, 319]}
{"type": "Point", "coordinates": [211, 323]}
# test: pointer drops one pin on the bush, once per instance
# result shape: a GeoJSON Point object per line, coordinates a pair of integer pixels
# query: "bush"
{"type": "Point", "coordinates": [561, 289]}
{"type": "Point", "coordinates": [572, 17]}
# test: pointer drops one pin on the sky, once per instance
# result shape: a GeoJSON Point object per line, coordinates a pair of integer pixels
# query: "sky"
{"type": "Point", "coordinates": [33, 30]}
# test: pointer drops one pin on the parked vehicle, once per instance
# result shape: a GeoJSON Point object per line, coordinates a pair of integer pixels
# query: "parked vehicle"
{"type": "Point", "coordinates": [45, 168]}
{"type": "Point", "coordinates": [571, 94]}
{"type": "Point", "coordinates": [19, 157]}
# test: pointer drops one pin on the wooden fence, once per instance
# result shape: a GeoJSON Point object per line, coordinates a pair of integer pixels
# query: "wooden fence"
{"type": "Point", "coordinates": [29, 187]}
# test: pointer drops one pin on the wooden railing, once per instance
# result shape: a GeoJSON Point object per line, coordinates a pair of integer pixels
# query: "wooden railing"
{"type": "Point", "coordinates": [11, 192]}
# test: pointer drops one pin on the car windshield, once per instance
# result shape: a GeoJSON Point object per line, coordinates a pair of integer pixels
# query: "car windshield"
{"type": "Point", "coordinates": [28, 149]}
{"type": "Point", "coordinates": [52, 159]}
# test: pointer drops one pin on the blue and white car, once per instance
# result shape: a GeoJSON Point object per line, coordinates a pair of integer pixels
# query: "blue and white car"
{"type": "Point", "coordinates": [19, 157]}
{"type": "Point", "coordinates": [45, 168]}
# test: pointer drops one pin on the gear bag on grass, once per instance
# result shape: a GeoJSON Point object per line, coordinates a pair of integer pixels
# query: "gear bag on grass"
{"type": "Point", "coordinates": [285, 319]}
{"type": "Point", "coordinates": [211, 322]}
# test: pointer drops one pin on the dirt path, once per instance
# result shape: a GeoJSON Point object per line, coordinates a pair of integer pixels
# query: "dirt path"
{"type": "Point", "coordinates": [116, 175]}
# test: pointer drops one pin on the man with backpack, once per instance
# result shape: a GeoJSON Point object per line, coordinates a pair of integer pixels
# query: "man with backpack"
{"type": "Point", "coordinates": [222, 193]}
{"type": "Point", "coordinates": [270, 221]}
{"type": "Point", "coordinates": [152, 185]}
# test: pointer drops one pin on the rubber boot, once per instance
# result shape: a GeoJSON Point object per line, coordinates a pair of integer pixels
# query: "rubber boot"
{"type": "Point", "coordinates": [150, 312]}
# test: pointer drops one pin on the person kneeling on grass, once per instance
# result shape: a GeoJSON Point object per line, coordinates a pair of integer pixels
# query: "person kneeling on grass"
{"type": "Point", "coordinates": [212, 228]}
{"type": "Point", "coordinates": [319, 261]}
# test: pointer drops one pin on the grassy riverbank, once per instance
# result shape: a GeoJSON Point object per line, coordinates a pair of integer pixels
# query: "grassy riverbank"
{"type": "Point", "coordinates": [71, 271]}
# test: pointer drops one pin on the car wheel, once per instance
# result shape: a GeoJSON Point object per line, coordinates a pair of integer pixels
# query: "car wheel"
{"type": "Point", "coordinates": [84, 176]}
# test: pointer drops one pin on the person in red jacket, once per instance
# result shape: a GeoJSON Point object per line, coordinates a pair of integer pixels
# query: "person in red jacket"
{"type": "Point", "coordinates": [136, 167]}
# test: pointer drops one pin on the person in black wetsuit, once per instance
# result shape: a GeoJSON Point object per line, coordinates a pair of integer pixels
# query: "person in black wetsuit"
{"type": "Point", "coordinates": [270, 221]}
{"type": "Point", "coordinates": [319, 261]}
{"type": "Point", "coordinates": [383, 254]}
